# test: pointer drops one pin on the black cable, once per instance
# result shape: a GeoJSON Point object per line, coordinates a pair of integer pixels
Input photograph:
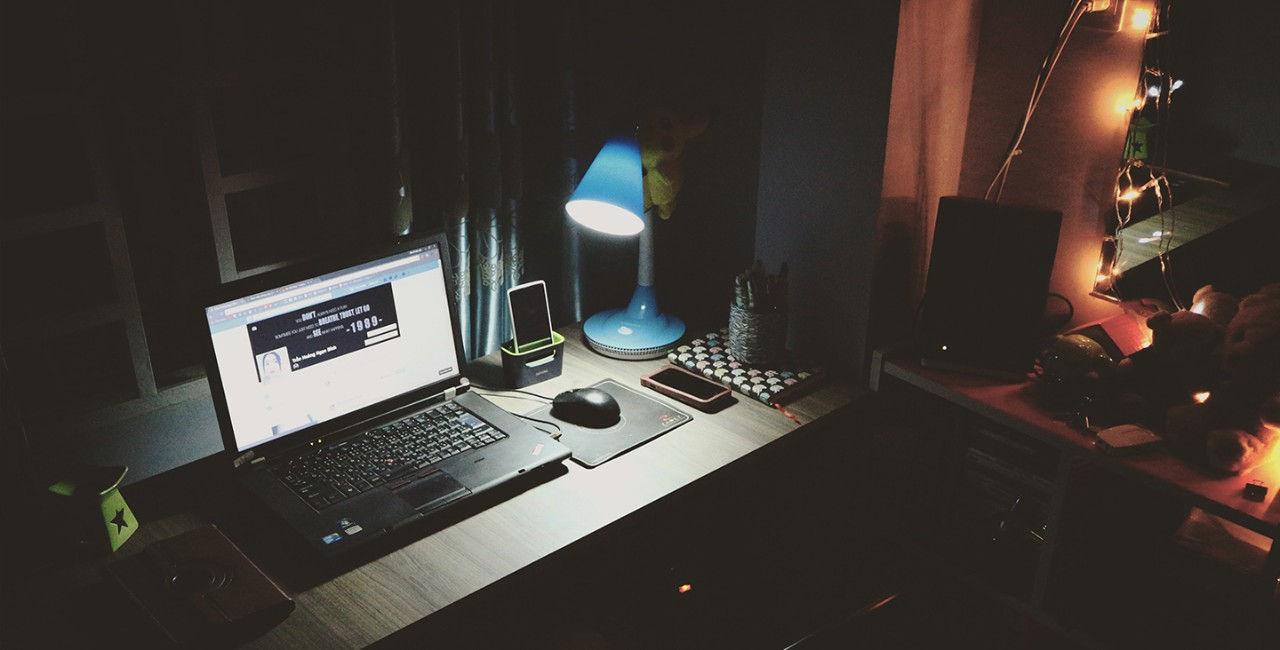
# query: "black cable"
{"type": "Point", "coordinates": [1071, 309]}
{"type": "Point", "coordinates": [554, 436]}
{"type": "Point", "coordinates": [1071, 312]}
{"type": "Point", "coordinates": [1078, 9]}
{"type": "Point", "coordinates": [915, 323]}
{"type": "Point", "coordinates": [499, 391]}
{"type": "Point", "coordinates": [524, 397]}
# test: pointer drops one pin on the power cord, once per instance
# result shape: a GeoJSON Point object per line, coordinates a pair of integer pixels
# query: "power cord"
{"type": "Point", "coordinates": [1066, 318]}
{"type": "Point", "coordinates": [1078, 9]}
{"type": "Point", "coordinates": [555, 435]}
{"type": "Point", "coordinates": [530, 395]}
{"type": "Point", "coordinates": [500, 392]}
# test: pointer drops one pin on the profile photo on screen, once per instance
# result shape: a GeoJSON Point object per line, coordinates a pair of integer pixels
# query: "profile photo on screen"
{"type": "Point", "coordinates": [272, 364]}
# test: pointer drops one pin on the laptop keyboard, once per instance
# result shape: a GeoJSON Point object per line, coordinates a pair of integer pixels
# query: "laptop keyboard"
{"type": "Point", "coordinates": [391, 455]}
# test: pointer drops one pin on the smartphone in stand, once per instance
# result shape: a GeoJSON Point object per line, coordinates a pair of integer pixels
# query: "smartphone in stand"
{"type": "Point", "coordinates": [530, 315]}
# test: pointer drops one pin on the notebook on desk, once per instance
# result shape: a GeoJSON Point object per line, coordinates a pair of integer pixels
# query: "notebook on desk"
{"type": "Point", "coordinates": [341, 399]}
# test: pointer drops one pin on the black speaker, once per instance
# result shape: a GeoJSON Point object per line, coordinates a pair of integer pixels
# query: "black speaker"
{"type": "Point", "coordinates": [988, 280]}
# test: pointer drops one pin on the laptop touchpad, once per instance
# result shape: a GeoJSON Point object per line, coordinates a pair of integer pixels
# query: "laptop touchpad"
{"type": "Point", "coordinates": [431, 491]}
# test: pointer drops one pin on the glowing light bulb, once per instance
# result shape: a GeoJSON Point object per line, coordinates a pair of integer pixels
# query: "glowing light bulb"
{"type": "Point", "coordinates": [1140, 20]}
{"type": "Point", "coordinates": [1154, 91]}
{"type": "Point", "coordinates": [1128, 105]}
{"type": "Point", "coordinates": [1201, 397]}
{"type": "Point", "coordinates": [685, 588]}
{"type": "Point", "coordinates": [1129, 195]}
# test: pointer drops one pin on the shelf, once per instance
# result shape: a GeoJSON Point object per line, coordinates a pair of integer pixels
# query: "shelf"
{"type": "Point", "coordinates": [1118, 560]}
{"type": "Point", "coordinates": [1014, 406]}
{"type": "Point", "coordinates": [985, 588]}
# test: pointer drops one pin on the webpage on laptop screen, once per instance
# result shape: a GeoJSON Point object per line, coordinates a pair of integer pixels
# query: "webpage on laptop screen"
{"type": "Point", "coordinates": [314, 350]}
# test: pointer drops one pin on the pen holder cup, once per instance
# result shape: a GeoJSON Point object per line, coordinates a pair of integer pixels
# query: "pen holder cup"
{"type": "Point", "coordinates": [757, 337]}
{"type": "Point", "coordinates": [530, 366]}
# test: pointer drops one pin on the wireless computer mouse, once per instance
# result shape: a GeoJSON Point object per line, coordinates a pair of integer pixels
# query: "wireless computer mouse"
{"type": "Point", "coordinates": [587, 407]}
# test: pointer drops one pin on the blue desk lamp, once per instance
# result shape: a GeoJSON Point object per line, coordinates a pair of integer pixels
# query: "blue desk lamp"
{"type": "Point", "coordinates": [610, 199]}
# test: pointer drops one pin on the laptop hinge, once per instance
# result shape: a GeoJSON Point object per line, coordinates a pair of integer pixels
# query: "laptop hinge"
{"type": "Point", "coordinates": [452, 391]}
{"type": "Point", "coordinates": [247, 458]}
{"type": "Point", "coordinates": [251, 458]}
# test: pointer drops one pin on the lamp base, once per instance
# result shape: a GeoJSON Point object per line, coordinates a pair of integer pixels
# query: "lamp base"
{"type": "Point", "coordinates": [615, 333]}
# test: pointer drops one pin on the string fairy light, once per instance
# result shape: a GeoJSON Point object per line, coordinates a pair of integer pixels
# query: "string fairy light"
{"type": "Point", "coordinates": [1154, 92]}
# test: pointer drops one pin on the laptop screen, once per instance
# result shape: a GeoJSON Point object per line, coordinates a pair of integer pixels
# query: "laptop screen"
{"type": "Point", "coordinates": [311, 351]}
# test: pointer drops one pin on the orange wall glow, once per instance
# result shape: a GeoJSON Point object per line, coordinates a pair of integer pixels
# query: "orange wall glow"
{"type": "Point", "coordinates": [1075, 141]}
{"type": "Point", "coordinates": [1140, 20]}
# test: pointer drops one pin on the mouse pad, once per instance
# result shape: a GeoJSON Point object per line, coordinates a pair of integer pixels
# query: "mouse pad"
{"type": "Point", "coordinates": [643, 419]}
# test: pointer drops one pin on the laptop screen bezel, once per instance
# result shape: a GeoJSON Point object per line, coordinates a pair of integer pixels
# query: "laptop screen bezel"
{"type": "Point", "coordinates": [310, 269]}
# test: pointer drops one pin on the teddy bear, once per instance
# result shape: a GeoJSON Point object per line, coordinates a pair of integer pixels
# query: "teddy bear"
{"type": "Point", "coordinates": [1218, 306]}
{"type": "Point", "coordinates": [1183, 359]}
{"type": "Point", "coordinates": [1238, 424]}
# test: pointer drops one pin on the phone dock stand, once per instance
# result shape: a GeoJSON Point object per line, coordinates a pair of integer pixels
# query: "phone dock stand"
{"type": "Point", "coordinates": [532, 365]}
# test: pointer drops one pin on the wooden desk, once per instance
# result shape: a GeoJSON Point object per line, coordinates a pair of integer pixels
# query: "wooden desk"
{"type": "Point", "coordinates": [409, 584]}
{"type": "Point", "coordinates": [389, 593]}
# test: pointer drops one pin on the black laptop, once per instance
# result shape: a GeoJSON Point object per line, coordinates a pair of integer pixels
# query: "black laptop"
{"type": "Point", "coordinates": [340, 395]}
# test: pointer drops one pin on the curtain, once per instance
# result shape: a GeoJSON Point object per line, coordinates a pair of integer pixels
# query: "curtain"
{"type": "Point", "coordinates": [485, 212]}
{"type": "Point", "coordinates": [933, 70]}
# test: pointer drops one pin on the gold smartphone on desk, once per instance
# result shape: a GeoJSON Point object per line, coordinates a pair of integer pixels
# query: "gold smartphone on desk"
{"type": "Point", "coordinates": [680, 384]}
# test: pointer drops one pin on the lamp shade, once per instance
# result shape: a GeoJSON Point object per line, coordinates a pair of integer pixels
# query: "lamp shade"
{"type": "Point", "coordinates": [610, 198]}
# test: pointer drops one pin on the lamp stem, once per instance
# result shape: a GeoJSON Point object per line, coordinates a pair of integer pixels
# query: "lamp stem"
{"type": "Point", "coordinates": [644, 302]}
{"type": "Point", "coordinates": [644, 267]}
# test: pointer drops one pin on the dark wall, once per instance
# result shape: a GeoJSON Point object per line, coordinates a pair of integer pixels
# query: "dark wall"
{"type": "Point", "coordinates": [1225, 53]}
{"type": "Point", "coordinates": [828, 72]}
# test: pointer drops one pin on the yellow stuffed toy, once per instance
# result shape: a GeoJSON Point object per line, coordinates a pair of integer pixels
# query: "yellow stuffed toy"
{"type": "Point", "coordinates": [662, 136]}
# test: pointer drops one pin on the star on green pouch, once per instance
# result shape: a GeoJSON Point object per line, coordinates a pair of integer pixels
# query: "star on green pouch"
{"type": "Point", "coordinates": [119, 520]}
